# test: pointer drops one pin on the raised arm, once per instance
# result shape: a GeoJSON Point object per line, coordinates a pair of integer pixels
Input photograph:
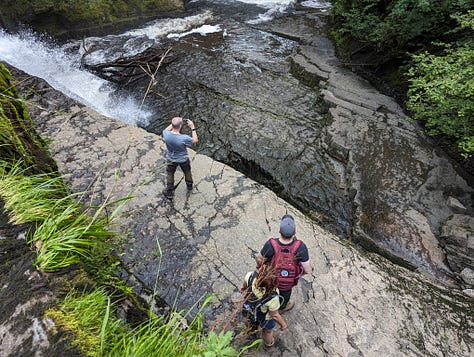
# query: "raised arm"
{"type": "Point", "coordinates": [194, 135]}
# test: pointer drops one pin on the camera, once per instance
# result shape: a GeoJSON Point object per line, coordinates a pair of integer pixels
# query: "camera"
{"type": "Point", "coordinates": [185, 121]}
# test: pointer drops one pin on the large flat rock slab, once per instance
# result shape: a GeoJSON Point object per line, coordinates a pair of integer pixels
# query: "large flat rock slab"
{"type": "Point", "coordinates": [205, 241]}
{"type": "Point", "coordinates": [398, 180]}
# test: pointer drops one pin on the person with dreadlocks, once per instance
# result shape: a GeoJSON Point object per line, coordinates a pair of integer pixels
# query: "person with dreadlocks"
{"type": "Point", "coordinates": [262, 302]}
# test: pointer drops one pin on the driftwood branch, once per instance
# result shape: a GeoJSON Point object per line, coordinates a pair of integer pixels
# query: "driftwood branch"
{"type": "Point", "coordinates": [129, 70]}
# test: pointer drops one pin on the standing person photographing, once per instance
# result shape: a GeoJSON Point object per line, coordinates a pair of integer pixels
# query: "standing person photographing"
{"type": "Point", "coordinates": [177, 153]}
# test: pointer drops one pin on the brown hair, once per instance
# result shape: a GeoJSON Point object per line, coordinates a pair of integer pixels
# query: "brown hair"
{"type": "Point", "coordinates": [266, 279]}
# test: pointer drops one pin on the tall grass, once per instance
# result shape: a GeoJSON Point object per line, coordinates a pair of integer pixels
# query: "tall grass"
{"type": "Point", "coordinates": [91, 319]}
{"type": "Point", "coordinates": [67, 237]}
{"type": "Point", "coordinates": [31, 198]}
{"type": "Point", "coordinates": [65, 232]}
{"type": "Point", "coordinates": [82, 316]}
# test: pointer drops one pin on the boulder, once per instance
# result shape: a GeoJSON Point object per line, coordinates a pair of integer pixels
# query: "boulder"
{"type": "Point", "coordinates": [457, 238]}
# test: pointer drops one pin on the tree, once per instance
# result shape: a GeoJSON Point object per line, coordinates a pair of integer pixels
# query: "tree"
{"type": "Point", "coordinates": [441, 89]}
{"type": "Point", "coordinates": [391, 28]}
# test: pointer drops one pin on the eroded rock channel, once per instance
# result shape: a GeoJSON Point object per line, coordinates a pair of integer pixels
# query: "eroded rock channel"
{"type": "Point", "coordinates": [359, 304]}
{"type": "Point", "coordinates": [292, 117]}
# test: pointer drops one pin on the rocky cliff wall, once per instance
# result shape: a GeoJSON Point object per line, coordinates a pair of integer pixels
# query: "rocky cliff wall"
{"type": "Point", "coordinates": [359, 304]}
{"type": "Point", "coordinates": [410, 201]}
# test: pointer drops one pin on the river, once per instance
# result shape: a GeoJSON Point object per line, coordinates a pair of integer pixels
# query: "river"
{"type": "Point", "coordinates": [226, 30]}
{"type": "Point", "coordinates": [61, 67]}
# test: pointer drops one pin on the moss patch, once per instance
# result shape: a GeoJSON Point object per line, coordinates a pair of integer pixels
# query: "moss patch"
{"type": "Point", "coordinates": [64, 18]}
{"type": "Point", "coordinates": [18, 138]}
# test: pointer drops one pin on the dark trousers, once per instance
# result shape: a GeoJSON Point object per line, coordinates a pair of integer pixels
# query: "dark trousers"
{"type": "Point", "coordinates": [170, 171]}
{"type": "Point", "coordinates": [286, 297]}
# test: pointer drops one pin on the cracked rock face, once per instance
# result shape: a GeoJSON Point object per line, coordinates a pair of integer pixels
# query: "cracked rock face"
{"type": "Point", "coordinates": [290, 116]}
{"type": "Point", "coordinates": [204, 242]}
{"type": "Point", "coordinates": [327, 141]}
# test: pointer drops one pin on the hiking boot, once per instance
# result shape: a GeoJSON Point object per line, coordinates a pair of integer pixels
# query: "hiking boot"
{"type": "Point", "coordinates": [288, 306]}
{"type": "Point", "coordinates": [190, 187]}
{"type": "Point", "coordinates": [168, 194]}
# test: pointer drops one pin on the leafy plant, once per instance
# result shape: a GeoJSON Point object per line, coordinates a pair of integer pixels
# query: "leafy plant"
{"type": "Point", "coordinates": [218, 345]}
{"type": "Point", "coordinates": [441, 90]}
{"type": "Point", "coordinates": [392, 27]}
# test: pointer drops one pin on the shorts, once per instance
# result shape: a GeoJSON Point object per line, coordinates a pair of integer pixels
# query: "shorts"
{"type": "Point", "coordinates": [268, 324]}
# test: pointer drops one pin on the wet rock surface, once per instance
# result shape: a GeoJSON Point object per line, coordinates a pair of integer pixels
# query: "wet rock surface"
{"type": "Point", "coordinates": [257, 117]}
{"type": "Point", "coordinates": [402, 181]}
{"type": "Point", "coordinates": [359, 304]}
{"type": "Point", "coordinates": [322, 138]}
{"type": "Point", "coordinates": [25, 296]}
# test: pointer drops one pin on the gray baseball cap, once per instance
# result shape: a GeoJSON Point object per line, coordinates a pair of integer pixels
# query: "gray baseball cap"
{"type": "Point", "coordinates": [287, 226]}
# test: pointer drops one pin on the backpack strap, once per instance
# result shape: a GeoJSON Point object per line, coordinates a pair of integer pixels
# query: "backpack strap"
{"type": "Point", "coordinates": [268, 298]}
{"type": "Point", "coordinates": [250, 281]}
{"type": "Point", "coordinates": [293, 247]}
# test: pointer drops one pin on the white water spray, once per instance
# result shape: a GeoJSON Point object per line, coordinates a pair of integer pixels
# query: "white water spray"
{"type": "Point", "coordinates": [61, 67]}
{"type": "Point", "coordinates": [62, 71]}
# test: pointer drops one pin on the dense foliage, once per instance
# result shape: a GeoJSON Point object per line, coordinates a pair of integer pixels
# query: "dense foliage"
{"type": "Point", "coordinates": [442, 90]}
{"type": "Point", "coordinates": [432, 41]}
{"type": "Point", "coordinates": [58, 16]}
{"type": "Point", "coordinates": [393, 27]}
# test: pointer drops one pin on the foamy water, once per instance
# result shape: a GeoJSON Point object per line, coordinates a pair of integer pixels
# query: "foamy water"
{"type": "Point", "coordinates": [164, 27]}
{"type": "Point", "coordinates": [62, 71]}
{"type": "Point", "coordinates": [316, 4]}
{"type": "Point", "coordinates": [60, 66]}
{"type": "Point", "coordinates": [273, 8]}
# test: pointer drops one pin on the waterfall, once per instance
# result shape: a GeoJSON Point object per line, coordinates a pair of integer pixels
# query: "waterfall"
{"type": "Point", "coordinates": [62, 71]}
{"type": "Point", "coordinates": [60, 66]}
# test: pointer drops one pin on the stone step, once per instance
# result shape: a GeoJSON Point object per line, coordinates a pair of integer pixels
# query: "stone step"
{"type": "Point", "coordinates": [301, 64]}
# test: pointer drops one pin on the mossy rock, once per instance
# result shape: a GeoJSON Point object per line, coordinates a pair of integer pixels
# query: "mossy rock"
{"type": "Point", "coordinates": [18, 138]}
{"type": "Point", "coordinates": [72, 19]}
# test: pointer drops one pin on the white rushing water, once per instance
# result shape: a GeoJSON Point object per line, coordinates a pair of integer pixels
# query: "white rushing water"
{"type": "Point", "coordinates": [62, 71]}
{"type": "Point", "coordinates": [60, 66]}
